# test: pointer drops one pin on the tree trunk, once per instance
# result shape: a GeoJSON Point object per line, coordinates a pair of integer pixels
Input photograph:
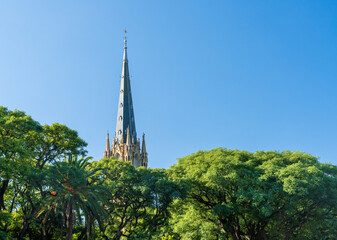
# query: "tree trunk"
{"type": "Point", "coordinates": [89, 226]}
{"type": "Point", "coordinates": [2, 193]}
{"type": "Point", "coordinates": [61, 230]}
{"type": "Point", "coordinates": [70, 223]}
{"type": "Point", "coordinates": [25, 224]}
{"type": "Point", "coordinates": [44, 221]}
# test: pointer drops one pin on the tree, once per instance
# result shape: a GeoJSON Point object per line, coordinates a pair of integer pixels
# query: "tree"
{"type": "Point", "coordinates": [70, 193]}
{"type": "Point", "coordinates": [16, 133]}
{"type": "Point", "coordinates": [139, 201]}
{"type": "Point", "coordinates": [265, 195]}
{"type": "Point", "coordinates": [25, 148]}
{"type": "Point", "coordinates": [57, 140]}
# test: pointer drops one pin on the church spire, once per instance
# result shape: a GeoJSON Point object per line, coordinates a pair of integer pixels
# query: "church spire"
{"type": "Point", "coordinates": [125, 145]}
{"type": "Point", "coordinates": [125, 113]}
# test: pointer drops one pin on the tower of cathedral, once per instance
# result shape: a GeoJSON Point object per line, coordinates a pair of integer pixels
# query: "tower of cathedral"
{"type": "Point", "coordinates": [125, 145]}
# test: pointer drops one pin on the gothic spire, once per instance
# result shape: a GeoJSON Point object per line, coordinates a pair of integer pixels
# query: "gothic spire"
{"type": "Point", "coordinates": [125, 114]}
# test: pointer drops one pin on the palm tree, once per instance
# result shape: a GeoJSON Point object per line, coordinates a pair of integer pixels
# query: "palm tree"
{"type": "Point", "coordinates": [71, 192]}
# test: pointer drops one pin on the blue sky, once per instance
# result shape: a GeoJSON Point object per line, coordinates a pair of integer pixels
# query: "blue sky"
{"type": "Point", "coordinates": [248, 75]}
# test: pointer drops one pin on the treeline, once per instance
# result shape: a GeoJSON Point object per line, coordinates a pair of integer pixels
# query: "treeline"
{"type": "Point", "coordinates": [49, 189]}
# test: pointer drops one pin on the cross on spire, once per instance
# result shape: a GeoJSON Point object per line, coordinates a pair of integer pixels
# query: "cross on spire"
{"type": "Point", "coordinates": [125, 32]}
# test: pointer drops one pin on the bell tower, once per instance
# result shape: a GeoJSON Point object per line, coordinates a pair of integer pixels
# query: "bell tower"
{"type": "Point", "coordinates": [125, 145]}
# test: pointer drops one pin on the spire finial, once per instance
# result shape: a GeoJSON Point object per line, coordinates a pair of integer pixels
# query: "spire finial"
{"type": "Point", "coordinates": [125, 37]}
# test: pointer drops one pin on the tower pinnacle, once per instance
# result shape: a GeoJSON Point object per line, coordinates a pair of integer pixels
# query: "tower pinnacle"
{"type": "Point", "coordinates": [107, 147]}
{"type": "Point", "coordinates": [143, 144]}
{"type": "Point", "coordinates": [107, 152]}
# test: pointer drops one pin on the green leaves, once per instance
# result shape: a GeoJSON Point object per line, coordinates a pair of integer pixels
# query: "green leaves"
{"type": "Point", "coordinates": [139, 199]}
{"type": "Point", "coordinates": [25, 149]}
{"type": "Point", "coordinates": [256, 196]}
{"type": "Point", "coordinates": [69, 187]}
{"type": "Point", "coordinates": [217, 194]}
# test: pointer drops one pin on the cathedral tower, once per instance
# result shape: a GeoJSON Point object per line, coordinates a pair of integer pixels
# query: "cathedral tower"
{"type": "Point", "coordinates": [125, 145]}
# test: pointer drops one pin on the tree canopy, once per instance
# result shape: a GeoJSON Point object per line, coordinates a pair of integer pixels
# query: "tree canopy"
{"type": "Point", "coordinates": [49, 189]}
{"type": "Point", "coordinates": [263, 195]}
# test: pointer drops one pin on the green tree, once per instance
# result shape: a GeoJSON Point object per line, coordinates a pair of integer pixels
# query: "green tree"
{"type": "Point", "coordinates": [57, 140]}
{"type": "Point", "coordinates": [71, 193]}
{"type": "Point", "coordinates": [16, 133]}
{"type": "Point", "coordinates": [139, 201]}
{"type": "Point", "coordinates": [25, 149]}
{"type": "Point", "coordinates": [265, 195]}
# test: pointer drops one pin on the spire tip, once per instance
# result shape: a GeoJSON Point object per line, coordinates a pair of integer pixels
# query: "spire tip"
{"type": "Point", "coordinates": [125, 37]}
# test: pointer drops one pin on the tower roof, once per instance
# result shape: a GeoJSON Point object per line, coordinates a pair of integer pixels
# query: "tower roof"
{"type": "Point", "coordinates": [125, 114]}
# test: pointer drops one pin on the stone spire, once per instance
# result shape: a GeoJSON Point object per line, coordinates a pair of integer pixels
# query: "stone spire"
{"type": "Point", "coordinates": [125, 114]}
{"type": "Point", "coordinates": [125, 145]}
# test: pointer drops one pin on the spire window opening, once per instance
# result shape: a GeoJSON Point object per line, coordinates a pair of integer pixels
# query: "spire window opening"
{"type": "Point", "coordinates": [120, 118]}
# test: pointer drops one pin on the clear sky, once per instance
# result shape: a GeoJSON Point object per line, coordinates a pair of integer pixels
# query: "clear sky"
{"type": "Point", "coordinates": [248, 75]}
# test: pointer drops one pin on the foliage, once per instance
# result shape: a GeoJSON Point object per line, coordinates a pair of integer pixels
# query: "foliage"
{"type": "Point", "coordinates": [50, 190]}
{"type": "Point", "coordinates": [139, 199]}
{"type": "Point", "coordinates": [16, 132]}
{"type": "Point", "coordinates": [262, 195]}
{"type": "Point", "coordinates": [70, 192]}
{"type": "Point", "coordinates": [55, 141]}
{"type": "Point", "coordinates": [25, 149]}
